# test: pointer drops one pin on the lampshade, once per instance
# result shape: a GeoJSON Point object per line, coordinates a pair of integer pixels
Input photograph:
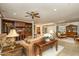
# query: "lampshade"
{"type": "Point", "coordinates": [12, 33]}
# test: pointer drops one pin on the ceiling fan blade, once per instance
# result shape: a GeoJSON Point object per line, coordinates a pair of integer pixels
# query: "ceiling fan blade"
{"type": "Point", "coordinates": [32, 12]}
{"type": "Point", "coordinates": [26, 16]}
{"type": "Point", "coordinates": [28, 13]}
{"type": "Point", "coordinates": [37, 16]}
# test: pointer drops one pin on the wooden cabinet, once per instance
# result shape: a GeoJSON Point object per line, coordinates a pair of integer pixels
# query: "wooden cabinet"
{"type": "Point", "coordinates": [23, 28]}
{"type": "Point", "coordinates": [71, 30]}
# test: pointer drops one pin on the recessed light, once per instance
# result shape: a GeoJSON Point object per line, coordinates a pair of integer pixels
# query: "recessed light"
{"type": "Point", "coordinates": [55, 9]}
{"type": "Point", "coordinates": [14, 13]}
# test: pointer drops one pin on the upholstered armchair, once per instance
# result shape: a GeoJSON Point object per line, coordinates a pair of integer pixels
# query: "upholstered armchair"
{"type": "Point", "coordinates": [2, 39]}
{"type": "Point", "coordinates": [29, 46]}
{"type": "Point", "coordinates": [26, 47]}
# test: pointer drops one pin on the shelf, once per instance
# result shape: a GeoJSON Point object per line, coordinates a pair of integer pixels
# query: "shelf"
{"type": "Point", "coordinates": [24, 27]}
{"type": "Point", "coordinates": [20, 26]}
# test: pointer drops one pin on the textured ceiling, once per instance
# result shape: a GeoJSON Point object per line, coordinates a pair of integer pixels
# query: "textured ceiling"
{"type": "Point", "coordinates": [64, 11]}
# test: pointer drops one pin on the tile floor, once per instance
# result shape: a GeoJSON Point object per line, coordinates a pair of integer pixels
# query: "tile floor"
{"type": "Point", "coordinates": [70, 49]}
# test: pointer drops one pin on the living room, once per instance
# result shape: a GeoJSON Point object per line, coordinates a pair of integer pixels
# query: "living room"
{"type": "Point", "coordinates": [41, 29]}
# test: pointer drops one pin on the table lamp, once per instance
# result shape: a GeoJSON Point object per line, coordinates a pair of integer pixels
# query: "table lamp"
{"type": "Point", "coordinates": [12, 34]}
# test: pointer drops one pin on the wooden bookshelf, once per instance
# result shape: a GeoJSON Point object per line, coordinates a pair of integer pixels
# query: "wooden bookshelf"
{"type": "Point", "coordinates": [23, 28]}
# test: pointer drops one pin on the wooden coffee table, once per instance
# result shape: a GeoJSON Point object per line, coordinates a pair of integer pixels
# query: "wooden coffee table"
{"type": "Point", "coordinates": [41, 45]}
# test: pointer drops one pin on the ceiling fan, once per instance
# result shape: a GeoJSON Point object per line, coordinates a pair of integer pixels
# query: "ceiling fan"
{"type": "Point", "coordinates": [32, 14]}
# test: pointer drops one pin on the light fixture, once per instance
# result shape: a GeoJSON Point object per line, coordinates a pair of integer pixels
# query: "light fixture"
{"type": "Point", "coordinates": [14, 13]}
{"type": "Point", "coordinates": [55, 9]}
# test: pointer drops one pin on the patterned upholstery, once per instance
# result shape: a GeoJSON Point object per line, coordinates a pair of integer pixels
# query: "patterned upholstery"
{"type": "Point", "coordinates": [2, 38]}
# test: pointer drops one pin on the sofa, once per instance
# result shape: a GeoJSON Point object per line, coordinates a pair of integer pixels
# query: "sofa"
{"type": "Point", "coordinates": [5, 47]}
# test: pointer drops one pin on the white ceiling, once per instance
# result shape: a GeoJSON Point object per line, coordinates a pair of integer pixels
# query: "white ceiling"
{"type": "Point", "coordinates": [64, 11]}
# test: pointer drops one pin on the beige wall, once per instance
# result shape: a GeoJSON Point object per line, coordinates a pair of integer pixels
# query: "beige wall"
{"type": "Point", "coordinates": [48, 27]}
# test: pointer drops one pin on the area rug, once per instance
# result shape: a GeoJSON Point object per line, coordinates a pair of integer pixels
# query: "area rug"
{"type": "Point", "coordinates": [68, 40]}
{"type": "Point", "coordinates": [52, 51]}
